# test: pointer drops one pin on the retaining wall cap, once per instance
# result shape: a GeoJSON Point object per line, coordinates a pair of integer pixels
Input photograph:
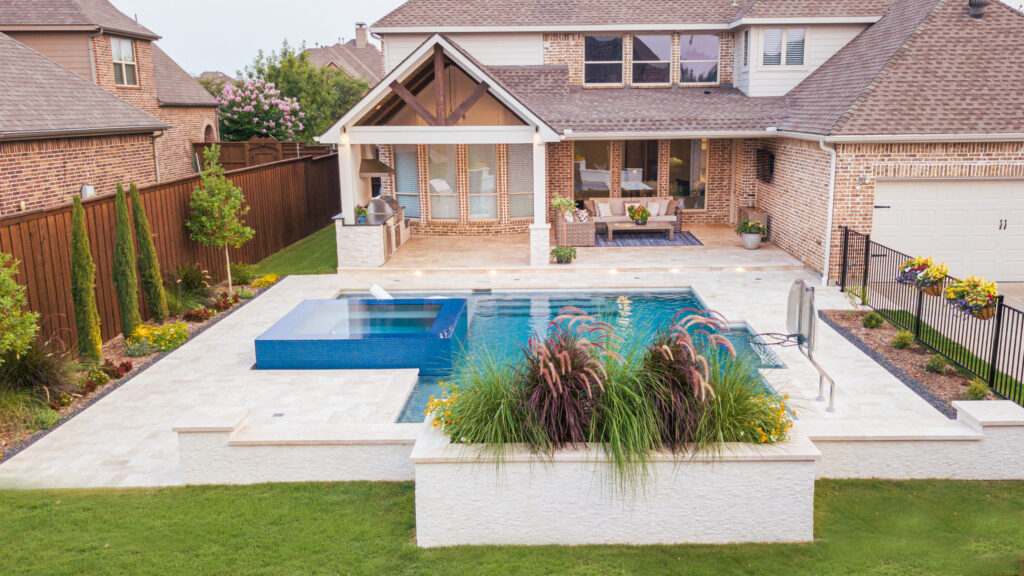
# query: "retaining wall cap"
{"type": "Point", "coordinates": [212, 420]}
{"type": "Point", "coordinates": [991, 412]}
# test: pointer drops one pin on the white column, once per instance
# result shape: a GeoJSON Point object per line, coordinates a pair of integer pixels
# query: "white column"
{"type": "Point", "coordinates": [540, 230]}
{"type": "Point", "coordinates": [348, 170]}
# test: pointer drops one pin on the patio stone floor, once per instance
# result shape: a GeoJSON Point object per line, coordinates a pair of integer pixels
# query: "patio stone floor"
{"type": "Point", "coordinates": [125, 439]}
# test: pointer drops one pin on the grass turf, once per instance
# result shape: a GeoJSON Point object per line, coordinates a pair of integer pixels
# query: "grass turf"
{"type": "Point", "coordinates": [314, 254]}
{"type": "Point", "coordinates": [861, 527]}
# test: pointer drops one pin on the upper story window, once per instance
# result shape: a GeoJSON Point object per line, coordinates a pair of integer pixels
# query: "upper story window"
{"type": "Point", "coordinates": [746, 48]}
{"type": "Point", "coordinates": [790, 38]}
{"type": "Point", "coordinates": [652, 59]}
{"type": "Point", "coordinates": [125, 68]}
{"type": "Point", "coordinates": [603, 60]}
{"type": "Point", "coordinates": [698, 59]}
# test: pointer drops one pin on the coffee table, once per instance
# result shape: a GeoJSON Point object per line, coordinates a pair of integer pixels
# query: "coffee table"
{"type": "Point", "coordinates": [632, 227]}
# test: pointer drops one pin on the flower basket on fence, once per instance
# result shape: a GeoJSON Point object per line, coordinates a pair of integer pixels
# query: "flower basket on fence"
{"type": "Point", "coordinates": [924, 274]}
{"type": "Point", "coordinates": [973, 296]}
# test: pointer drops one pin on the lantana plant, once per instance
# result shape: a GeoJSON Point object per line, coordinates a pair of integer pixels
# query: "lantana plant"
{"type": "Point", "coordinates": [972, 295]}
{"type": "Point", "coordinates": [256, 108]}
{"type": "Point", "coordinates": [922, 272]}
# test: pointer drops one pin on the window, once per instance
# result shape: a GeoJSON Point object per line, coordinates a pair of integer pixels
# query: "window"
{"type": "Point", "coordinates": [483, 182]}
{"type": "Point", "coordinates": [640, 168]}
{"type": "Point", "coordinates": [520, 180]}
{"type": "Point", "coordinates": [407, 179]}
{"type": "Point", "coordinates": [603, 60]}
{"type": "Point", "coordinates": [746, 48]}
{"type": "Point", "coordinates": [125, 69]}
{"type": "Point", "coordinates": [652, 59]}
{"type": "Point", "coordinates": [592, 171]}
{"type": "Point", "coordinates": [791, 38]}
{"type": "Point", "coordinates": [686, 173]}
{"type": "Point", "coordinates": [698, 59]}
{"type": "Point", "coordinates": [444, 196]}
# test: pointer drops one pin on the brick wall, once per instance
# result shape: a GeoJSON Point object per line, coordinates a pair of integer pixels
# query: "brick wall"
{"type": "Point", "coordinates": [797, 198]}
{"type": "Point", "coordinates": [142, 96]}
{"type": "Point", "coordinates": [174, 148]}
{"type": "Point", "coordinates": [569, 50]}
{"type": "Point", "coordinates": [45, 173]}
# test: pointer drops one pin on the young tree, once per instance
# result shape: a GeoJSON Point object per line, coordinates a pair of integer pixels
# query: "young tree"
{"type": "Point", "coordinates": [148, 263]}
{"type": "Point", "coordinates": [323, 94]}
{"type": "Point", "coordinates": [217, 209]}
{"type": "Point", "coordinates": [17, 325]}
{"type": "Point", "coordinates": [125, 282]}
{"type": "Point", "coordinates": [256, 108]}
{"type": "Point", "coordinates": [83, 287]}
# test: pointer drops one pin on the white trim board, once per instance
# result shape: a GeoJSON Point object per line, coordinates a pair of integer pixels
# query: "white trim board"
{"type": "Point", "coordinates": [441, 134]}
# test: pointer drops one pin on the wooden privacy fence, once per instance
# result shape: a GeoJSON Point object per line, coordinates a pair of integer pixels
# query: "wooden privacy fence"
{"type": "Point", "coordinates": [289, 200]}
{"type": "Point", "coordinates": [258, 151]}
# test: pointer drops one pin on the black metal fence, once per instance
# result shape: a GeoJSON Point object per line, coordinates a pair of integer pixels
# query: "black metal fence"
{"type": "Point", "coordinates": [991, 349]}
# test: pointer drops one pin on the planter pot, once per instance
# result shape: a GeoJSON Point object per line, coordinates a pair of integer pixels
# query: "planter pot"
{"type": "Point", "coordinates": [563, 260]}
{"type": "Point", "coordinates": [933, 290]}
{"type": "Point", "coordinates": [360, 219]}
{"type": "Point", "coordinates": [640, 222]}
{"type": "Point", "coordinates": [751, 241]}
{"type": "Point", "coordinates": [745, 493]}
{"type": "Point", "coordinates": [986, 313]}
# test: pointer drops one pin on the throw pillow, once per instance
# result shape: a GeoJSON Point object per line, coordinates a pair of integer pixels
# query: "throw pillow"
{"type": "Point", "coordinates": [604, 209]}
{"type": "Point", "coordinates": [568, 217]}
{"type": "Point", "coordinates": [654, 208]}
{"type": "Point", "coordinates": [582, 216]}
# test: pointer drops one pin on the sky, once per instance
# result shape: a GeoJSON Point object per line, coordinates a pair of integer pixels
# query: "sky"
{"type": "Point", "coordinates": [226, 34]}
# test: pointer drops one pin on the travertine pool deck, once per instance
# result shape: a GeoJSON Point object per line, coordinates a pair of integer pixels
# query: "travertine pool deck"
{"type": "Point", "coordinates": [126, 439]}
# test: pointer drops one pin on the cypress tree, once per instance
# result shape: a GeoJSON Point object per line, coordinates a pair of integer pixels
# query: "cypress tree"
{"type": "Point", "coordinates": [149, 264]}
{"type": "Point", "coordinates": [83, 288]}
{"type": "Point", "coordinates": [125, 282]}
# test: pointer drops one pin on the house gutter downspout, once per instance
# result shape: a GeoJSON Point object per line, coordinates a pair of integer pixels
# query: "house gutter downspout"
{"type": "Point", "coordinates": [831, 208]}
{"type": "Point", "coordinates": [156, 157]}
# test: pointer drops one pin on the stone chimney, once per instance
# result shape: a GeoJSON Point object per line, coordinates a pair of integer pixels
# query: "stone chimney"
{"type": "Point", "coordinates": [362, 35]}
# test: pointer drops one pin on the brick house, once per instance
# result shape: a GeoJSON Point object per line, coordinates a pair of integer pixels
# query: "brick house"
{"type": "Point", "coordinates": [113, 53]}
{"type": "Point", "coordinates": [898, 118]}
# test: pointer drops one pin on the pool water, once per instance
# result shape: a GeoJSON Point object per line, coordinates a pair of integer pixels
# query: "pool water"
{"type": "Point", "coordinates": [501, 324]}
{"type": "Point", "coordinates": [360, 318]}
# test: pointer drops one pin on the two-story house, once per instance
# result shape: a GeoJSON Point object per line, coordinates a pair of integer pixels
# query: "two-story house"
{"type": "Point", "coordinates": [113, 52]}
{"type": "Point", "coordinates": [899, 118]}
{"type": "Point", "coordinates": [358, 57]}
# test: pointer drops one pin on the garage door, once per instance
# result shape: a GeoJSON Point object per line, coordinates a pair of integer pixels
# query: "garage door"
{"type": "Point", "coordinates": [975, 226]}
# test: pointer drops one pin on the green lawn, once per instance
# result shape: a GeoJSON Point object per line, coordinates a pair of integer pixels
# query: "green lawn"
{"type": "Point", "coordinates": [862, 527]}
{"type": "Point", "coordinates": [314, 254]}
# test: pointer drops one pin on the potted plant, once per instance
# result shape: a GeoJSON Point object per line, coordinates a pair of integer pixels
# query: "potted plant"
{"type": "Point", "coordinates": [360, 215]}
{"type": "Point", "coordinates": [563, 206]}
{"type": "Point", "coordinates": [563, 254]}
{"type": "Point", "coordinates": [752, 233]}
{"type": "Point", "coordinates": [973, 296]}
{"type": "Point", "coordinates": [924, 274]}
{"type": "Point", "coordinates": [639, 214]}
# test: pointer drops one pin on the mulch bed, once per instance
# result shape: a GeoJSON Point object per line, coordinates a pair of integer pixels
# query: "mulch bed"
{"type": "Point", "coordinates": [113, 350]}
{"type": "Point", "coordinates": [908, 365]}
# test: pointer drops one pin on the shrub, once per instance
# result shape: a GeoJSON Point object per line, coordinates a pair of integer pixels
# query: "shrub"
{"type": "Point", "coordinates": [264, 281]}
{"type": "Point", "coordinates": [161, 338]}
{"type": "Point", "coordinates": [936, 364]}
{"type": "Point", "coordinates": [125, 282]}
{"type": "Point", "coordinates": [21, 411]}
{"type": "Point", "coordinates": [224, 302]}
{"type": "Point", "coordinates": [148, 262]}
{"type": "Point", "coordinates": [256, 108]}
{"type": "Point", "coordinates": [118, 370]}
{"type": "Point", "coordinates": [217, 209]}
{"type": "Point", "coordinates": [83, 287]}
{"type": "Point", "coordinates": [243, 273]}
{"type": "Point", "coordinates": [742, 409]}
{"type": "Point", "coordinates": [190, 289]}
{"type": "Point", "coordinates": [244, 293]}
{"type": "Point", "coordinates": [198, 315]}
{"type": "Point", "coordinates": [751, 227]}
{"type": "Point", "coordinates": [563, 253]}
{"type": "Point", "coordinates": [976, 390]}
{"type": "Point", "coordinates": [904, 339]}
{"type": "Point", "coordinates": [873, 320]}
{"type": "Point", "coordinates": [136, 348]}
{"type": "Point", "coordinates": [17, 325]}
{"type": "Point", "coordinates": [42, 373]}
{"type": "Point", "coordinates": [94, 379]}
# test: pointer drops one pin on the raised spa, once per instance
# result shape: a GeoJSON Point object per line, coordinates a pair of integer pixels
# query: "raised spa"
{"type": "Point", "coordinates": [366, 334]}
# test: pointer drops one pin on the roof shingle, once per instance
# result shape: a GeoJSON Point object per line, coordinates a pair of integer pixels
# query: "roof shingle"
{"type": "Point", "coordinates": [39, 97]}
{"type": "Point", "coordinates": [175, 86]}
{"type": "Point", "coordinates": [366, 62]}
{"type": "Point", "coordinates": [94, 13]}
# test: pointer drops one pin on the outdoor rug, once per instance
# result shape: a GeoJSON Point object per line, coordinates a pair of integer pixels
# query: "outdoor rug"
{"type": "Point", "coordinates": [629, 240]}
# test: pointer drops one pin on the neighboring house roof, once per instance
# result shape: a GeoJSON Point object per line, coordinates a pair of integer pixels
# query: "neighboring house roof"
{"type": "Point", "coordinates": [440, 15]}
{"type": "Point", "coordinates": [216, 75]}
{"type": "Point", "coordinates": [40, 98]}
{"type": "Point", "coordinates": [365, 62]}
{"type": "Point", "coordinates": [175, 86]}
{"type": "Point", "coordinates": [546, 90]}
{"type": "Point", "coordinates": [924, 68]}
{"type": "Point", "coordinates": [71, 14]}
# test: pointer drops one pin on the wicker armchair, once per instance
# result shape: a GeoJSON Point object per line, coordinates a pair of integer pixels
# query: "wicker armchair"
{"type": "Point", "coordinates": [580, 234]}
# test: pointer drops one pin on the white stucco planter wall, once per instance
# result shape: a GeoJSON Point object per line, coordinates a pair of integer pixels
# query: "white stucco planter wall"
{"type": "Point", "coordinates": [747, 493]}
{"type": "Point", "coordinates": [984, 443]}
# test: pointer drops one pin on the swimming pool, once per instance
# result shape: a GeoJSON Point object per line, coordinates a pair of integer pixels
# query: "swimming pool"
{"type": "Point", "coordinates": [500, 324]}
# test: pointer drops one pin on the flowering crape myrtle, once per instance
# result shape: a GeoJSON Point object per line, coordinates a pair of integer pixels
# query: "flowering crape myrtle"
{"type": "Point", "coordinates": [256, 108]}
